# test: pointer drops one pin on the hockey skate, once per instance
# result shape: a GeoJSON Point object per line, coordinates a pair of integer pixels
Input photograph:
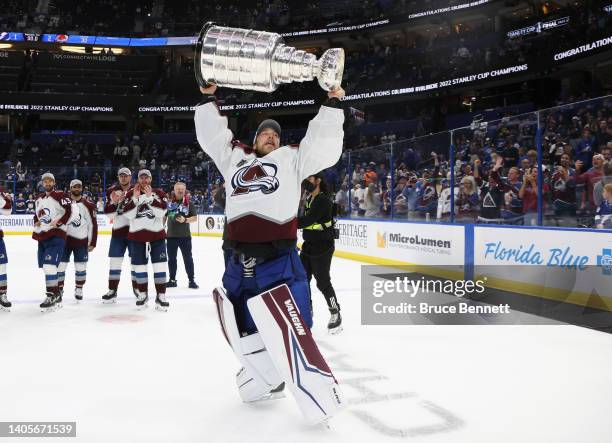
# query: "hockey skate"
{"type": "Point", "coordinates": [334, 326]}
{"type": "Point", "coordinates": [109, 297]}
{"type": "Point", "coordinates": [78, 294]}
{"type": "Point", "coordinates": [171, 284]}
{"type": "Point", "coordinates": [141, 301]}
{"type": "Point", "coordinates": [49, 304]}
{"type": "Point", "coordinates": [161, 304]}
{"type": "Point", "coordinates": [5, 305]}
{"type": "Point", "coordinates": [58, 299]}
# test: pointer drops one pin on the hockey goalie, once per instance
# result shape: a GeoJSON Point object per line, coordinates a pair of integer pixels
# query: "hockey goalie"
{"type": "Point", "coordinates": [264, 305]}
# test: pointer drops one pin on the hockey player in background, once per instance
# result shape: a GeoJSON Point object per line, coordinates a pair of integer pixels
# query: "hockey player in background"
{"type": "Point", "coordinates": [53, 212]}
{"type": "Point", "coordinates": [264, 305]}
{"type": "Point", "coordinates": [146, 207]}
{"type": "Point", "coordinates": [119, 244]}
{"type": "Point", "coordinates": [6, 206]}
{"type": "Point", "coordinates": [81, 238]}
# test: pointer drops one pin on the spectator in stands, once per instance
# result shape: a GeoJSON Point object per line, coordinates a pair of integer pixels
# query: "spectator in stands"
{"type": "Point", "coordinates": [357, 175]}
{"type": "Point", "coordinates": [589, 179]}
{"type": "Point", "coordinates": [606, 151]}
{"type": "Point", "coordinates": [467, 204]}
{"type": "Point", "coordinates": [20, 205]}
{"type": "Point", "coordinates": [599, 186]}
{"type": "Point", "coordinates": [370, 176]}
{"type": "Point", "coordinates": [372, 201]}
{"type": "Point", "coordinates": [511, 154]}
{"type": "Point", "coordinates": [341, 200]}
{"type": "Point", "coordinates": [529, 194]}
{"type": "Point", "coordinates": [30, 204]}
{"type": "Point", "coordinates": [444, 200]}
{"type": "Point", "coordinates": [514, 204]}
{"type": "Point", "coordinates": [585, 149]}
{"type": "Point", "coordinates": [427, 196]}
{"type": "Point", "coordinates": [121, 153]}
{"type": "Point", "coordinates": [491, 193]}
{"type": "Point", "coordinates": [564, 188]}
{"type": "Point", "coordinates": [603, 215]}
{"type": "Point", "coordinates": [358, 203]}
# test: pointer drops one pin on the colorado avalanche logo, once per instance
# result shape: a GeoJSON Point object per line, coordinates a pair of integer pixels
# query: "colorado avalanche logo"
{"type": "Point", "coordinates": [44, 216]}
{"type": "Point", "coordinates": [560, 185]}
{"type": "Point", "coordinates": [255, 177]}
{"type": "Point", "coordinates": [145, 211]}
{"type": "Point", "coordinates": [77, 223]}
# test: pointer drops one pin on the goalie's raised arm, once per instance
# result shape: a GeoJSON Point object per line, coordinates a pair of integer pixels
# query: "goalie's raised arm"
{"type": "Point", "coordinates": [321, 147]}
{"type": "Point", "coordinates": [211, 129]}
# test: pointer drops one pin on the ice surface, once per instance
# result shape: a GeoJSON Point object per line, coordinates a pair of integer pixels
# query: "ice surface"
{"type": "Point", "coordinates": [126, 375]}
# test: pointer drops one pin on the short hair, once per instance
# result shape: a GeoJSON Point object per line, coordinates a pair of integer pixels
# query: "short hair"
{"type": "Point", "coordinates": [599, 156]}
{"type": "Point", "coordinates": [181, 183]}
{"type": "Point", "coordinates": [608, 188]}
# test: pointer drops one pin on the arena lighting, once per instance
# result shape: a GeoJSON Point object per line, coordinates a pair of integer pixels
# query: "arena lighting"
{"type": "Point", "coordinates": [6, 45]}
{"type": "Point", "coordinates": [95, 50]}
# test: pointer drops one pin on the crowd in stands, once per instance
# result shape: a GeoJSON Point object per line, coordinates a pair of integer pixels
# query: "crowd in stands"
{"type": "Point", "coordinates": [495, 172]}
{"type": "Point", "coordinates": [69, 157]}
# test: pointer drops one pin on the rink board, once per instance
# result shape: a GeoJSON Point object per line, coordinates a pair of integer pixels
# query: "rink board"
{"type": "Point", "coordinates": [572, 266]}
{"type": "Point", "coordinates": [17, 224]}
{"type": "Point", "coordinates": [569, 265]}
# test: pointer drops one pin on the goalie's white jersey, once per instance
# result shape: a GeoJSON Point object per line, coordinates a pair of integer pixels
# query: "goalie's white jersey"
{"type": "Point", "coordinates": [263, 193]}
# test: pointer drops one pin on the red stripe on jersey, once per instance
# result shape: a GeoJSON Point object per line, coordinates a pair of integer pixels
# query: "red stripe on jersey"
{"type": "Point", "coordinates": [253, 229]}
{"type": "Point", "coordinates": [145, 236]}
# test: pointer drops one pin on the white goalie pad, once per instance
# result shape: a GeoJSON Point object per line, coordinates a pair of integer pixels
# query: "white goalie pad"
{"type": "Point", "coordinates": [258, 378]}
{"type": "Point", "coordinates": [295, 354]}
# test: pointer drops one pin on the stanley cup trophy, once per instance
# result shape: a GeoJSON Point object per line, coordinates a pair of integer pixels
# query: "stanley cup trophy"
{"type": "Point", "coordinates": [260, 61]}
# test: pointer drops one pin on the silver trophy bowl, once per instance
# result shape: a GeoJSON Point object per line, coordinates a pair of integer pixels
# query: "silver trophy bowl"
{"type": "Point", "coordinates": [260, 61]}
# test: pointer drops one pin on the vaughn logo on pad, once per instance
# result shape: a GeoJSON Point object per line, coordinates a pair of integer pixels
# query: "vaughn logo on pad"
{"type": "Point", "coordinates": [299, 328]}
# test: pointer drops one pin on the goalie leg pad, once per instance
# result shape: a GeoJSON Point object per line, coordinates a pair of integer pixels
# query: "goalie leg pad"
{"type": "Point", "coordinates": [295, 354]}
{"type": "Point", "coordinates": [258, 376]}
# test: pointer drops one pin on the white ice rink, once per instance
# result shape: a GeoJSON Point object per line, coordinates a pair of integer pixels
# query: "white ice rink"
{"type": "Point", "coordinates": [126, 375]}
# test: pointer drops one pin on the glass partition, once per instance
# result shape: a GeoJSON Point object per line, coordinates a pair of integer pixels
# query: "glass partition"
{"type": "Point", "coordinates": [577, 162]}
{"type": "Point", "coordinates": [421, 179]}
{"type": "Point", "coordinates": [551, 167]}
{"type": "Point", "coordinates": [496, 171]}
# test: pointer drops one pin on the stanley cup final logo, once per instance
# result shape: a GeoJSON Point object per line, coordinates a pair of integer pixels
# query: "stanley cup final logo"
{"type": "Point", "coordinates": [260, 61]}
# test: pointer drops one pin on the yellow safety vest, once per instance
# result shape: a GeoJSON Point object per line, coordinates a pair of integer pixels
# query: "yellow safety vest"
{"type": "Point", "coordinates": [315, 226]}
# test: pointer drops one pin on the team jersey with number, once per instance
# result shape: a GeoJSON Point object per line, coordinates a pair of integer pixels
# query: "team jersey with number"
{"type": "Point", "coordinates": [263, 193]}
{"type": "Point", "coordinates": [49, 207]}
